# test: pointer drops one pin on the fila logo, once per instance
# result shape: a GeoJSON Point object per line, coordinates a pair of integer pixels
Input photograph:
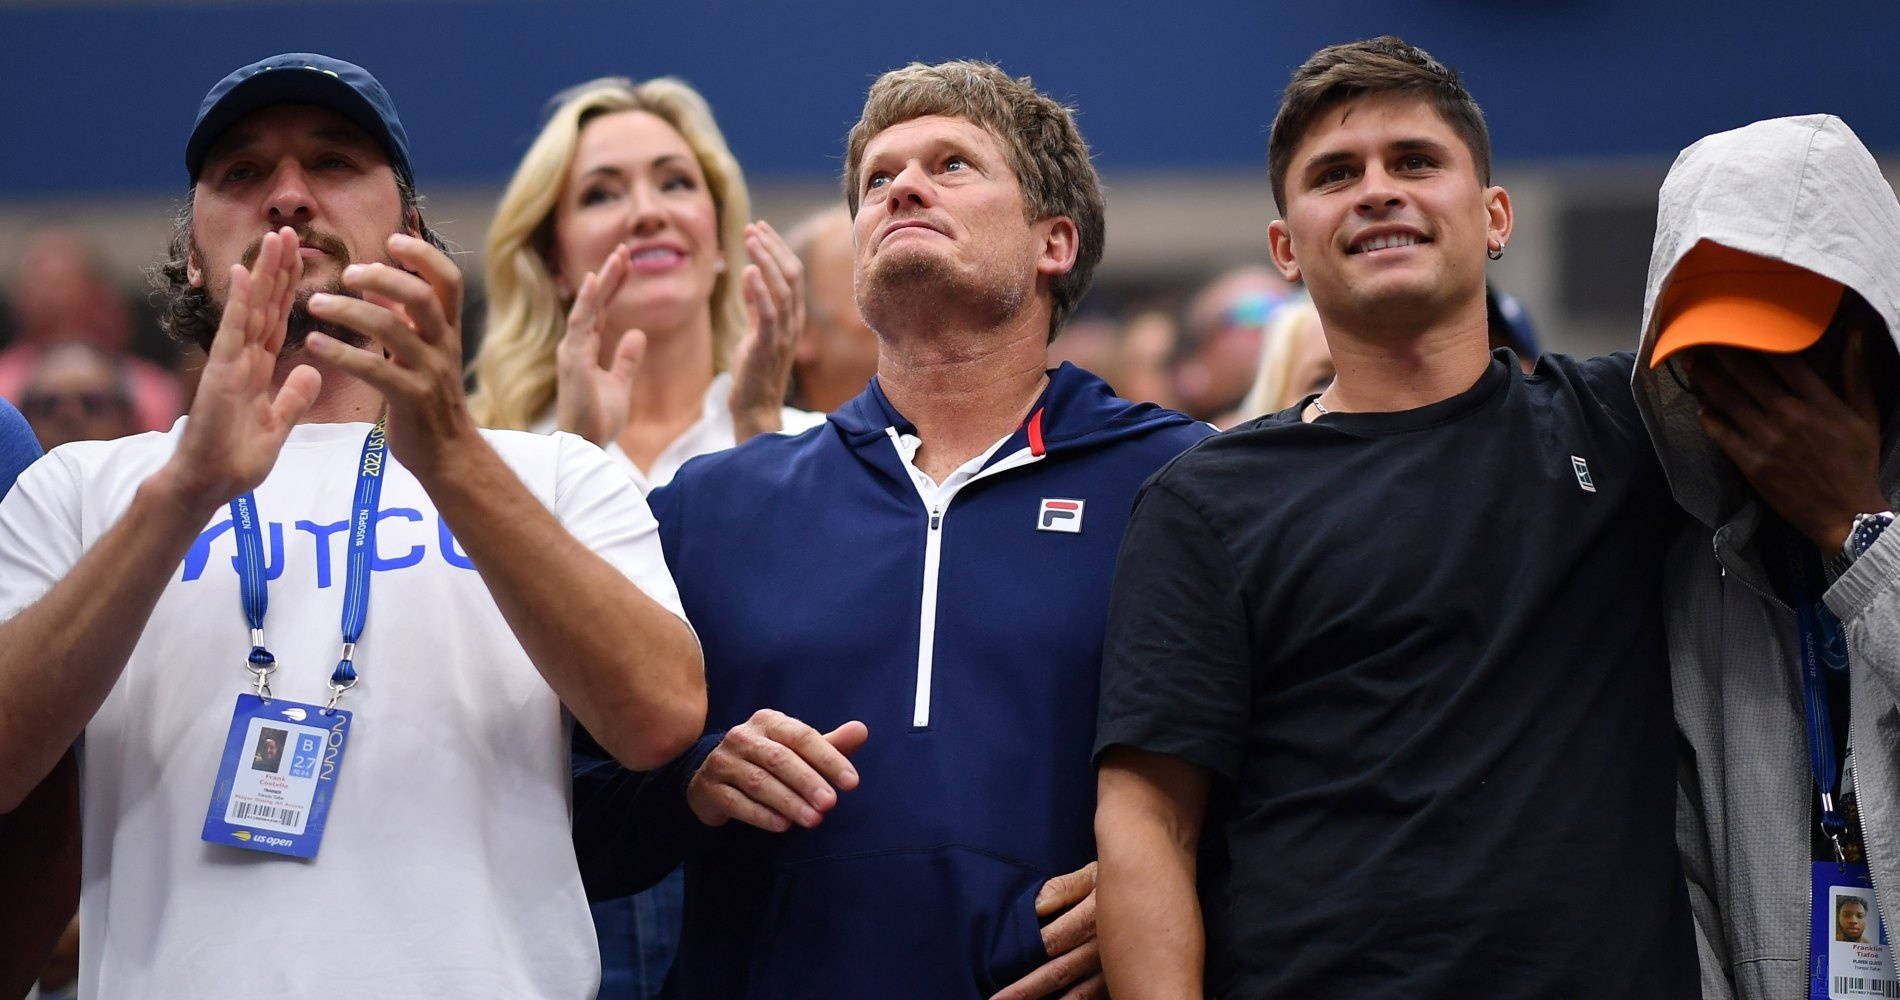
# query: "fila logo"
{"type": "Point", "coordinates": [1060, 515]}
{"type": "Point", "coordinates": [1582, 469]}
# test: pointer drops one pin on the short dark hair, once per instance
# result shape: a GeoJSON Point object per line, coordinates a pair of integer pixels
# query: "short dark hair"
{"type": "Point", "coordinates": [187, 312]}
{"type": "Point", "coordinates": [1383, 65]}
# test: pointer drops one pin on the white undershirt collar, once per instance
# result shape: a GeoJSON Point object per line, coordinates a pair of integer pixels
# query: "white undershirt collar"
{"type": "Point", "coordinates": [928, 489]}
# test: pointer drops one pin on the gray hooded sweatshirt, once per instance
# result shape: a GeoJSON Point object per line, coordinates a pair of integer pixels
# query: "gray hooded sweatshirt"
{"type": "Point", "coordinates": [1802, 190]}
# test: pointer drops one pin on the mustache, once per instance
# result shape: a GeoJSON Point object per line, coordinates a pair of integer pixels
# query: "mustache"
{"type": "Point", "coordinates": [308, 236]}
{"type": "Point", "coordinates": [301, 323]}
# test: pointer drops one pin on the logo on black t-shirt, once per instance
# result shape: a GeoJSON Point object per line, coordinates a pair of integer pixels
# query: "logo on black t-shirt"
{"type": "Point", "coordinates": [1582, 469]}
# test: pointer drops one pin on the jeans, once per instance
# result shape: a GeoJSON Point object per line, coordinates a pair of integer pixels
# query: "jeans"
{"type": "Point", "coordinates": [638, 936]}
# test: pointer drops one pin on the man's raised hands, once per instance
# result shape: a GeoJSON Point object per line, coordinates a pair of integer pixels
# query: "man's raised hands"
{"type": "Point", "coordinates": [413, 315]}
{"type": "Point", "coordinates": [239, 418]}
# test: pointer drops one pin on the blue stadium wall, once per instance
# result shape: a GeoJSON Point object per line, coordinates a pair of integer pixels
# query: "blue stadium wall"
{"type": "Point", "coordinates": [98, 97]}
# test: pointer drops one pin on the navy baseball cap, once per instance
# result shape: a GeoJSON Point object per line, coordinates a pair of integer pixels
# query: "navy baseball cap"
{"type": "Point", "coordinates": [300, 78]}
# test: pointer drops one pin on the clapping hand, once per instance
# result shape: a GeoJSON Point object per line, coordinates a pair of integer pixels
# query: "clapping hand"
{"type": "Point", "coordinates": [591, 400]}
{"type": "Point", "coordinates": [413, 315]}
{"type": "Point", "coordinates": [774, 286]}
{"type": "Point", "coordinates": [238, 423]}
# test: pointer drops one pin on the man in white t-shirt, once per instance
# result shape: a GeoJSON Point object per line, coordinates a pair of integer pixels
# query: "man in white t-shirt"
{"type": "Point", "coordinates": [328, 500]}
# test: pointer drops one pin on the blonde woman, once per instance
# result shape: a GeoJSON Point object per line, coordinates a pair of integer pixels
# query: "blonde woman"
{"type": "Point", "coordinates": [1294, 362]}
{"type": "Point", "coordinates": [629, 300]}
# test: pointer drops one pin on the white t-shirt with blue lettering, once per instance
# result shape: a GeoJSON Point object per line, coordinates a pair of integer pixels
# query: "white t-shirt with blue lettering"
{"type": "Point", "coordinates": [447, 867]}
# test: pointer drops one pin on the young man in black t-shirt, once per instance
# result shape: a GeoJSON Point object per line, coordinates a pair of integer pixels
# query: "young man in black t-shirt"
{"type": "Point", "coordinates": [1384, 672]}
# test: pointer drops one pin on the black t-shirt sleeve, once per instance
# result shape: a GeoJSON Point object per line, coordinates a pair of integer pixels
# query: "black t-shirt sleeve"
{"type": "Point", "coordinates": [1606, 382]}
{"type": "Point", "coordinates": [1176, 669]}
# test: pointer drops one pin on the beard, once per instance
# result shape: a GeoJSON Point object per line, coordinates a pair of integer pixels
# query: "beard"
{"type": "Point", "coordinates": [301, 323]}
{"type": "Point", "coordinates": [908, 288]}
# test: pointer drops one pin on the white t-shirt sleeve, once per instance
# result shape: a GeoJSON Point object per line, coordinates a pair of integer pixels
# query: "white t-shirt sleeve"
{"type": "Point", "coordinates": [625, 462]}
{"type": "Point", "coordinates": [606, 511]}
{"type": "Point", "coordinates": [547, 425]}
{"type": "Point", "coordinates": [39, 533]}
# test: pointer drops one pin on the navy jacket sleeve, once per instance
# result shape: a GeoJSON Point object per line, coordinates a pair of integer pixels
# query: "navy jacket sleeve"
{"type": "Point", "coordinates": [631, 827]}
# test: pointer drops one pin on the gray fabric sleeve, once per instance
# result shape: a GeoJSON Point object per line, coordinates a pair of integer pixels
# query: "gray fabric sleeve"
{"type": "Point", "coordinates": [1867, 601]}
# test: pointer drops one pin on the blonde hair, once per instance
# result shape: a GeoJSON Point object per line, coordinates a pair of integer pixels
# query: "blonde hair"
{"type": "Point", "coordinates": [1279, 346]}
{"type": "Point", "coordinates": [1046, 150]}
{"type": "Point", "coordinates": [526, 314]}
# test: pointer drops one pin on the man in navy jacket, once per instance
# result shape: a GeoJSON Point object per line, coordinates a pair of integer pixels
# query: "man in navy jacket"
{"type": "Point", "coordinates": [902, 609]}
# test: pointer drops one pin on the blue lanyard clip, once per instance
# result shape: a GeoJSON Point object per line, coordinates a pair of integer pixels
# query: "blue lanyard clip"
{"type": "Point", "coordinates": [343, 677]}
{"type": "Point", "coordinates": [260, 663]}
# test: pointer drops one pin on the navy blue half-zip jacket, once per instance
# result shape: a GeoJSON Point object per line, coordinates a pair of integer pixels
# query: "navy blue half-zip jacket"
{"type": "Point", "coordinates": [812, 570]}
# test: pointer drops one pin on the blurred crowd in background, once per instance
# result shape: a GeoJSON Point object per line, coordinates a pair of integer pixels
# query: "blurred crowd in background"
{"type": "Point", "coordinates": [1182, 311]}
{"type": "Point", "coordinates": [1223, 339]}
{"type": "Point", "coordinates": [84, 358]}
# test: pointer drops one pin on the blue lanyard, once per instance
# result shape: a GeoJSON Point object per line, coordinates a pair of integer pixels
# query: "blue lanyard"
{"type": "Point", "coordinates": [253, 585]}
{"type": "Point", "coordinates": [1823, 648]}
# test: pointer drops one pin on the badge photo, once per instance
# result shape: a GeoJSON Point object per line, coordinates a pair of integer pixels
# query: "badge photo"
{"type": "Point", "coordinates": [1849, 953]}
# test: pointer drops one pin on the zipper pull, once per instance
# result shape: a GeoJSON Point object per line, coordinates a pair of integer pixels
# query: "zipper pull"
{"type": "Point", "coordinates": [936, 518]}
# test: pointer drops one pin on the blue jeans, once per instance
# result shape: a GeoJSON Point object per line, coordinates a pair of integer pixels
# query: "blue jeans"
{"type": "Point", "coordinates": [638, 936]}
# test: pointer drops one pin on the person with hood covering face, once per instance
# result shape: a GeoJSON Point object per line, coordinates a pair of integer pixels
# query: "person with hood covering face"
{"type": "Point", "coordinates": [1768, 381]}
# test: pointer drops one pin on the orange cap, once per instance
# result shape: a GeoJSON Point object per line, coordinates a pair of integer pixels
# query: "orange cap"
{"type": "Point", "coordinates": [1725, 297]}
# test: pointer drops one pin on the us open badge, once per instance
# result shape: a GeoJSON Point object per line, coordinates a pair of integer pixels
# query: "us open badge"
{"type": "Point", "coordinates": [280, 768]}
